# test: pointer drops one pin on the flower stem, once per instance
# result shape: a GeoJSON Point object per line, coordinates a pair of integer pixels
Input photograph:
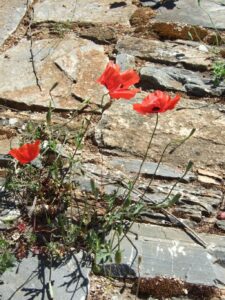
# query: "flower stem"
{"type": "Point", "coordinates": [156, 169]}
{"type": "Point", "coordinates": [102, 107]}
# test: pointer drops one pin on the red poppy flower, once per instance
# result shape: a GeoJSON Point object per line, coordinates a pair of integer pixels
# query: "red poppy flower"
{"type": "Point", "coordinates": [156, 102]}
{"type": "Point", "coordinates": [117, 83]}
{"type": "Point", "coordinates": [26, 153]}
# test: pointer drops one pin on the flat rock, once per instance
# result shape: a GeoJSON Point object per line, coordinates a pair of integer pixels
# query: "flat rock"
{"type": "Point", "coordinates": [92, 11]}
{"type": "Point", "coordinates": [179, 79]}
{"type": "Point", "coordinates": [165, 52]}
{"type": "Point", "coordinates": [125, 61]}
{"type": "Point", "coordinates": [189, 12]}
{"type": "Point", "coordinates": [170, 253]}
{"type": "Point", "coordinates": [196, 203]}
{"type": "Point", "coordinates": [29, 280]}
{"type": "Point", "coordinates": [149, 168]}
{"type": "Point", "coordinates": [122, 130]}
{"type": "Point", "coordinates": [11, 13]}
{"type": "Point", "coordinates": [72, 65]}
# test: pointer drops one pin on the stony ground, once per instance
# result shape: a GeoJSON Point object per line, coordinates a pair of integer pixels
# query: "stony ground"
{"type": "Point", "coordinates": [63, 47]}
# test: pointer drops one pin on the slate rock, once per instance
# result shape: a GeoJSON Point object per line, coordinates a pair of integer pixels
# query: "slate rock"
{"type": "Point", "coordinates": [124, 131]}
{"type": "Point", "coordinates": [220, 224]}
{"type": "Point", "coordinates": [91, 12]}
{"type": "Point", "coordinates": [125, 61]}
{"type": "Point", "coordinates": [177, 79]}
{"type": "Point", "coordinates": [170, 252]}
{"type": "Point", "coordinates": [189, 12]}
{"type": "Point", "coordinates": [165, 52]}
{"type": "Point", "coordinates": [149, 168]}
{"type": "Point", "coordinates": [11, 13]}
{"type": "Point", "coordinates": [194, 204]}
{"type": "Point", "coordinates": [29, 279]}
{"type": "Point", "coordinates": [71, 65]}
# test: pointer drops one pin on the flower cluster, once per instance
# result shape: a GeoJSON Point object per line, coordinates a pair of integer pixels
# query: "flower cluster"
{"type": "Point", "coordinates": [118, 85]}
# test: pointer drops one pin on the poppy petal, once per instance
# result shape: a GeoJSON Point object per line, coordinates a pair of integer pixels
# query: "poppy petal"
{"type": "Point", "coordinates": [125, 94]}
{"type": "Point", "coordinates": [129, 78]}
{"type": "Point", "coordinates": [27, 152]}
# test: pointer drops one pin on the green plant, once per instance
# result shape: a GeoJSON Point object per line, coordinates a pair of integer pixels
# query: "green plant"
{"type": "Point", "coordinates": [218, 69]}
{"type": "Point", "coordinates": [57, 218]}
{"type": "Point", "coordinates": [7, 259]}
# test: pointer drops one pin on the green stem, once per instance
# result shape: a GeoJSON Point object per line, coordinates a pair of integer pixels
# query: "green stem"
{"type": "Point", "coordinates": [157, 167]}
{"type": "Point", "coordinates": [102, 107]}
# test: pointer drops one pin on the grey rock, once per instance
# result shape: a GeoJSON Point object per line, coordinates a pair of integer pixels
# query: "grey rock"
{"type": "Point", "coordinates": [11, 13]}
{"type": "Point", "coordinates": [194, 205]}
{"type": "Point", "coordinates": [125, 61]}
{"type": "Point", "coordinates": [70, 65]}
{"type": "Point", "coordinates": [94, 12]}
{"type": "Point", "coordinates": [178, 79]}
{"type": "Point", "coordinates": [218, 252]}
{"type": "Point", "coordinates": [29, 279]}
{"type": "Point", "coordinates": [191, 212]}
{"type": "Point", "coordinates": [171, 253]}
{"type": "Point", "coordinates": [220, 224]}
{"type": "Point", "coordinates": [189, 12]}
{"type": "Point", "coordinates": [9, 215]}
{"type": "Point", "coordinates": [149, 168]}
{"type": "Point", "coordinates": [166, 52]}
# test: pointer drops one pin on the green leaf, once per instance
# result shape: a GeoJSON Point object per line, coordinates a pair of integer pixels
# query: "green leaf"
{"type": "Point", "coordinates": [190, 35]}
{"type": "Point", "coordinates": [49, 115]}
{"type": "Point", "coordinates": [169, 202]}
{"type": "Point", "coordinates": [118, 257]}
{"type": "Point", "coordinates": [189, 166]}
{"type": "Point", "coordinates": [127, 201]}
{"type": "Point", "coordinates": [94, 189]}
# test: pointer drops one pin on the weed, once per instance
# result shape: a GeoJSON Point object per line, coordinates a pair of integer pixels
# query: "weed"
{"type": "Point", "coordinates": [218, 69]}
{"type": "Point", "coordinates": [56, 217]}
{"type": "Point", "coordinates": [7, 259]}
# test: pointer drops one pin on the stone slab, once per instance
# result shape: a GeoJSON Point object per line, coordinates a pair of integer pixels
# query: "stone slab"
{"type": "Point", "coordinates": [171, 252]}
{"type": "Point", "coordinates": [91, 11]}
{"type": "Point", "coordinates": [179, 79]}
{"type": "Point", "coordinates": [11, 13]}
{"type": "Point", "coordinates": [29, 280]}
{"type": "Point", "coordinates": [123, 130]}
{"type": "Point", "coordinates": [209, 14]}
{"type": "Point", "coordinates": [71, 64]}
{"type": "Point", "coordinates": [166, 52]}
{"type": "Point", "coordinates": [149, 168]}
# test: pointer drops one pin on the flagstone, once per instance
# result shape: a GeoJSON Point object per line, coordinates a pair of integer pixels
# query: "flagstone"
{"type": "Point", "coordinates": [11, 14]}
{"type": "Point", "coordinates": [71, 66]}
{"type": "Point", "coordinates": [92, 11]}
{"type": "Point", "coordinates": [122, 130]}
